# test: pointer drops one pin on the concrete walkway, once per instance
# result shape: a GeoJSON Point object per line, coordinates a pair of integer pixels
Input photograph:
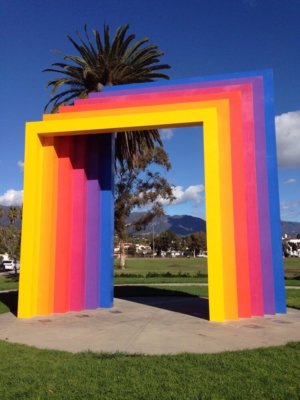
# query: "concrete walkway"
{"type": "Point", "coordinates": [179, 284]}
{"type": "Point", "coordinates": [152, 326]}
{"type": "Point", "coordinates": [156, 284]}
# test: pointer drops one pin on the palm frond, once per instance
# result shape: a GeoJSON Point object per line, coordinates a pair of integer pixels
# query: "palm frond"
{"type": "Point", "coordinates": [56, 98]}
{"type": "Point", "coordinates": [98, 42]}
{"type": "Point", "coordinates": [101, 61]}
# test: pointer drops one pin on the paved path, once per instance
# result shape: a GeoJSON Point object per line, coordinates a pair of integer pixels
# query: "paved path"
{"type": "Point", "coordinates": [152, 326]}
{"type": "Point", "coordinates": [179, 284]}
{"type": "Point", "coordinates": [156, 284]}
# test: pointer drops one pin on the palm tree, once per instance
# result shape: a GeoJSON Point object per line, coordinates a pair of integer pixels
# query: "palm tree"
{"type": "Point", "coordinates": [102, 62]}
{"type": "Point", "coordinates": [20, 212]}
{"type": "Point", "coordinates": [12, 214]}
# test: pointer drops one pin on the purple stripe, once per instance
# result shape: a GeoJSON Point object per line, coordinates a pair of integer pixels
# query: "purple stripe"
{"type": "Point", "coordinates": [261, 167]}
{"type": "Point", "coordinates": [169, 88]}
{"type": "Point", "coordinates": [92, 226]}
{"type": "Point", "coordinates": [263, 199]}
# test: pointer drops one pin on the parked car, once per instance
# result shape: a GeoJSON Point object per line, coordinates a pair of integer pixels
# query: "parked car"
{"type": "Point", "coordinates": [9, 265]}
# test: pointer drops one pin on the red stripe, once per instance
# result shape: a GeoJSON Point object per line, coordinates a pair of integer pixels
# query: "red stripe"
{"type": "Point", "coordinates": [63, 147]}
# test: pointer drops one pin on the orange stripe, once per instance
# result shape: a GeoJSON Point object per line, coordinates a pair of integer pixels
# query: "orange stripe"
{"type": "Point", "coordinates": [227, 242]}
{"type": "Point", "coordinates": [47, 243]}
{"type": "Point", "coordinates": [63, 147]}
{"type": "Point", "coordinates": [150, 105]}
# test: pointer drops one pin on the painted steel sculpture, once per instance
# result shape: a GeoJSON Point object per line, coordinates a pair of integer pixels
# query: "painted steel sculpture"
{"type": "Point", "coordinates": [67, 233]}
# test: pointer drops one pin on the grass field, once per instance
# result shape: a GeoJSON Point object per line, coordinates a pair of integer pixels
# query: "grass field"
{"type": "Point", "coordinates": [166, 270]}
{"type": "Point", "coordinates": [143, 266]}
{"type": "Point", "coordinates": [293, 299]}
{"type": "Point", "coordinates": [9, 282]}
{"type": "Point", "coordinates": [292, 267]}
{"type": "Point", "coordinates": [191, 266]}
{"type": "Point", "coordinates": [29, 373]}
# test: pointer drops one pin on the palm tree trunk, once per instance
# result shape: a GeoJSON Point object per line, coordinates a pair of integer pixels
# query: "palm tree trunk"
{"type": "Point", "coordinates": [122, 255]}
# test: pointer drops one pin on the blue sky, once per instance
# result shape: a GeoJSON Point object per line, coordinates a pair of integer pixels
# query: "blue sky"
{"type": "Point", "coordinates": [198, 37]}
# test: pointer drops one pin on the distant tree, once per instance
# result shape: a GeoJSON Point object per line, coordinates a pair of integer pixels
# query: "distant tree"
{"type": "Point", "coordinates": [20, 213]}
{"type": "Point", "coordinates": [166, 241]}
{"type": "Point", "coordinates": [293, 246]}
{"type": "Point", "coordinates": [285, 249]}
{"type": "Point", "coordinates": [196, 242]}
{"type": "Point", "coordinates": [131, 251]}
{"type": "Point", "coordinates": [10, 239]}
{"type": "Point", "coordinates": [12, 214]}
{"type": "Point", "coordinates": [139, 188]}
{"type": "Point", "coordinates": [298, 236]}
{"type": "Point", "coordinates": [1, 213]}
{"type": "Point", "coordinates": [203, 241]}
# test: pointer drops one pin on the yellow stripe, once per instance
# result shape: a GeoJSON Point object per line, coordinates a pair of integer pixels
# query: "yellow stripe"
{"type": "Point", "coordinates": [187, 105]}
{"type": "Point", "coordinates": [144, 117]}
{"type": "Point", "coordinates": [213, 219]}
{"type": "Point", "coordinates": [189, 115]}
{"type": "Point", "coordinates": [30, 225]}
{"type": "Point", "coordinates": [228, 245]}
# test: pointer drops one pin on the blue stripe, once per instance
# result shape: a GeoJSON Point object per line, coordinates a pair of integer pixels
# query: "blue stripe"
{"type": "Point", "coordinates": [187, 80]}
{"type": "Point", "coordinates": [278, 272]}
{"type": "Point", "coordinates": [106, 154]}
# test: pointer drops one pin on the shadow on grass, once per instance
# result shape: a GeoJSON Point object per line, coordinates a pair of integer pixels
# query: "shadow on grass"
{"type": "Point", "coordinates": [296, 278]}
{"type": "Point", "coordinates": [11, 277]}
{"type": "Point", "coordinates": [166, 299]}
{"type": "Point", "coordinates": [10, 299]}
{"type": "Point", "coordinates": [170, 300]}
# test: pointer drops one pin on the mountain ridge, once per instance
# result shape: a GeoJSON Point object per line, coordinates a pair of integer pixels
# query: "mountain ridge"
{"type": "Point", "coordinates": [184, 225]}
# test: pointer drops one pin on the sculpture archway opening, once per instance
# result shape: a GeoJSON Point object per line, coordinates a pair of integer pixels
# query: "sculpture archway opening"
{"type": "Point", "coordinates": [67, 232]}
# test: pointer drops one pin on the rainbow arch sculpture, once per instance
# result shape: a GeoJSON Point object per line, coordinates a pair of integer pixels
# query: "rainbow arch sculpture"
{"type": "Point", "coordinates": [67, 232]}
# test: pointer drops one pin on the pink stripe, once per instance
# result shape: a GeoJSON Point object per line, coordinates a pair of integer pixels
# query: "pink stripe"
{"type": "Point", "coordinates": [145, 98]}
{"type": "Point", "coordinates": [78, 225]}
{"type": "Point", "coordinates": [252, 208]}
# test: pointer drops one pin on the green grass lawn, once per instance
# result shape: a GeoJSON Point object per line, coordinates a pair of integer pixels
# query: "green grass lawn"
{"type": "Point", "coordinates": [292, 267]}
{"type": "Point", "coordinates": [293, 298]}
{"type": "Point", "coordinates": [143, 266]}
{"type": "Point", "coordinates": [9, 282]}
{"type": "Point", "coordinates": [292, 282]}
{"type": "Point", "coordinates": [159, 279]}
{"type": "Point", "coordinates": [29, 373]}
{"type": "Point", "coordinates": [191, 266]}
{"type": "Point", "coordinates": [166, 270]}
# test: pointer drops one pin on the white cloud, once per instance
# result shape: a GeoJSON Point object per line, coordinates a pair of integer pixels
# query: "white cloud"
{"type": "Point", "coordinates": [288, 139]}
{"type": "Point", "coordinates": [290, 181]}
{"type": "Point", "coordinates": [12, 198]}
{"type": "Point", "coordinates": [21, 165]}
{"type": "Point", "coordinates": [289, 209]}
{"type": "Point", "coordinates": [166, 134]}
{"type": "Point", "coordinates": [192, 193]}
